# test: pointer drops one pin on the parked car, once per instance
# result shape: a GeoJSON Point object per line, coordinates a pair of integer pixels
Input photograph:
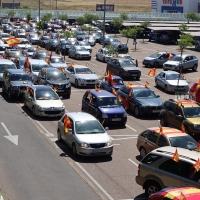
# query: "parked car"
{"type": "Point", "coordinates": [51, 44]}
{"type": "Point", "coordinates": [80, 35]}
{"type": "Point", "coordinates": [40, 54]}
{"type": "Point", "coordinates": [104, 106]}
{"type": "Point", "coordinates": [152, 138]}
{"type": "Point", "coordinates": [121, 48]}
{"type": "Point", "coordinates": [29, 51]}
{"type": "Point", "coordinates": [103, 55]}
{"type": "Point", "coordinates": [3, 47]}
{"type": "Point", "coordinates": [171, 81]}
{"type": "Point", "coordinates": [81, 76]}
{"type": "Point", "coordinates": [33, 38]}
{"type": "Point", "coordinates": [43, 40]}
{"type": "Point", "coordinates": [188, 114]}
{"type": "Point", "coordinates": [166, 39]}
{"type": "Point", "coordinates": [79, 52]}
{"type": "Point", "coordinates": [20, 33]}
{"type": "Point", "coordinates": [85, 135]}
{"type": "Point", "coordinates": [178, 63]}
{"type": "Point", "coordinates": [84, 44]}
{"type": "Point", "coordinates": [63, 47]}
{"type": "Point", "coordinates": [194, 92]}
{"type": "Point", "coordinates": [23, 44]}
{"type": "Point", "coordinates": [123, 68]}
{"type": "Point", "coordinates": [91, 40]}
{"type": "Point", "coordinates": [57, 62]}
{"type": "Point", "coordinates": [43, 101]}
{"type": "Point", "coordinates": [143, 101]}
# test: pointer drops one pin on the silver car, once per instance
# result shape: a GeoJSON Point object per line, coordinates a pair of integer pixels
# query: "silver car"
{"type": "Point", "coordinates": [171, 81]}
{"type": "Point", "coordinates": [84, 44]}
{"type": "Point", "coordinates": [79, 52]}
{"type": "Point", "coordinates": [57, 62]}
{"type": "Point", "coordinates": [43, 101]}
{"type": "Point", "coordinates": [81, 76]}
{"type": "Point", "coordinates": [188, 61]}
{"type": "Point", "coordinates": [157, 59]}
{"type": "Point", "coordinates": [102, 55]}
{"type": "Point", "coordinates": [85, 135]}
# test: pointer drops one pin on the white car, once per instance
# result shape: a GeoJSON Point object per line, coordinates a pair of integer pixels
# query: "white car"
{"type": "Point", "coordinates": [91, 40]}
{"type": "Point", "coordinates": [24, 44]}
{"type": "Point", "coordinates": [43, 101]}
{"type": "Point", "coordinates": [84, 44]}
{"type": "Point", "coordinates": [20, 33]}
{"type": "Point", "coordinates": [33, 38]}
{"type": "Point", "coordinates": [81, 76]}
{"type": "Point", "coordinates": [102, 55]}
{"type": "Point", "coordinates": [84, 134]}
{"type": "Point", "coordinates": [57, 62]}
{"type": "Point", "coordinates": [79, 52]}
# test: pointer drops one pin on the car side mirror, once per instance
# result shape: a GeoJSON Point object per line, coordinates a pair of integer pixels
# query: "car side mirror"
{"type": "Point", "coordinates": [106, 128]}
{"type": "Point", "coordinates": [70, 130]}
{"type": "Point", "coordinates": [67, 78]}
{"type": "Point", "coordinates": [158, 96]}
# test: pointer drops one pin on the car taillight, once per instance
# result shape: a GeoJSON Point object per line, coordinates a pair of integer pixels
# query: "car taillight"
{"type": "Point", "coordinates": [138, 168]}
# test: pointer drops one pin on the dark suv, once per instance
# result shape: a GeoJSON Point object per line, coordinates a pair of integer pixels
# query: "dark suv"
{"type": "Point", "coordinates": [177, 112]}
{"type": "Point", "coordinates": [15, 82]}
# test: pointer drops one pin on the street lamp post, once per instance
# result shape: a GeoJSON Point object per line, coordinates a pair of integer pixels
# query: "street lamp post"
{"type": "Point", "coordinates": [39, 9]}
{"type": "Point", "coordinates": [104, 16]}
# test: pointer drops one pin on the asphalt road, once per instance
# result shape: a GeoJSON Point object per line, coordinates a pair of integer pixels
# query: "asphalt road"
{"type": "Point", "coordinates": [41, 168]}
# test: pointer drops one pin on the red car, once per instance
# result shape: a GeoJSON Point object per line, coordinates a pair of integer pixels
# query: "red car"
{"type": "Point", "coordinates": [193, 93]}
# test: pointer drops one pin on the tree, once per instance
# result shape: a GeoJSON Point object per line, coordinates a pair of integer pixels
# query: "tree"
{"type": "Point", "coordinates": [46, 17]}
{"type": "Point", "coordinates": [123, 16]}
{"type": "Point", "coordinates": [87, 28]}
{"type": "Point", "coordinates": [11, 13]}
{"type": "Point", "coordinates": [116, 22]}
{"type": "Point", "coordinates": [28, 16]}
{"type": "Point", "coordinates": [111, 51]}
{"type": "Point", "coordinates": [89, 17]}
{"type": "Point", "coordinates": [81, 20]}
{"type": "Point", "coordinates": [40, 27]}
{"type": "Point", "coordinates": [69, 34]}
{"type": "Point", "coordinates": [63, 17]}
{"type": "Point", "coordinates": [145, 24]}
{"type": "Point", "coordinates": [183, 27]}
{"type": "Point", "coordinates": [192, 16]}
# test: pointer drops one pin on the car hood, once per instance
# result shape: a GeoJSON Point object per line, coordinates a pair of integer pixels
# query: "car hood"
{"type": "Point", "coordinates": [58, 65]}
{"type": "Point", "coordinates": [93, 138]}
{"type": "Point", "coordinates": [149, 58]}
{"type": "Point", "coordinates": [49, 103]}
{"type": "Point", "coordinates": [131, 68]}
{"type": "Point", "coordinates": [87, 76]}
{"type": "Point", "coordinates": [87, 47]}
{"type": "Point", "coordinates": [65, 46]}
{"type": "Point", "coordinates": [118, 110]}
{"type": "Point", "coordinates": [175, 82]}
{"type": "Point", "coordinates": [24, 45]}
{"type": "Point", "coordinates": [83, 52]}
{"type": "Point", "coordinates": [150, 102]}
{"type": "Point", "coordinates": [195, 120]}
{"type": "Point", "coordinates": [36, 73]}
{"type": "Point", "coordinates": [21, 83]}
{"type": "Point", "coordinates": [58, 82]}
{"type": "Point", "coordinates": [172, 62]}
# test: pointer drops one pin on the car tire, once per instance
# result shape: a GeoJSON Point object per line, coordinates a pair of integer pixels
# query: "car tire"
{"type": "Point", "coordinates": [151, 188]}
{"type": "Point", "coordinates": [156, 82]}
{"type": "Point", "coordinates": [163, 121]}
{"type": "Point", "coordinates": [166, 89]}
{"type": "Point", "coordinates": [156, 64]}
{"type": "Point", "coordinates": [9, 94]}
{"type": "Point", "coordinates": [97, 58]}
{"type": "Point", "coordinates": [136, 111]}
{"type": "Point", "coordinates": [120, 74]}
{"type": "Point", "coordinates": [59, 136]}
{"type": "Point", "coordinates": [74, 149]}
{"type": "Point", "coordinates": [143, 152]}
{"type": "Point", "coordinates": [194, 69]}
{"type": "Point", "coordinates": [76, 83]}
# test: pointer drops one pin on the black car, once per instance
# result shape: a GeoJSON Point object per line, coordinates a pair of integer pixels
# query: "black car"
{"type": "Point", "coordinates": [7, 28]}
{"type": "Point", "coordinates": [80, 35]}
{"type": "Point", "coordinates": [121, 48]}
{"type": "Point", "coordinates": [109, 41]}
{"type": "Point", "coordinates": [51, 44]}
{"type": "Point", "coordinates": [15, 82]}
{"type": "Point", "coordinates": [102, 38]}
{"type": "Point", "coordinates": [63, 47]}
{"type": "Point", "coordinates": [123, 67]}
{"type": "Point", "coordinates": [43, 40]}
{"type": "Point", "coordinates": [56, 79]}
{"type": "Point", "coordinates": [40, 54]}
{"type": "Point", "coordinates": [166, 39]}
{"type": "Point", "coordinates": [141, 100]}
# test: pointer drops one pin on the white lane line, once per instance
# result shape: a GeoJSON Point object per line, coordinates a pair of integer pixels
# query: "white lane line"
{"type": "Point", "coordinates": [124, 138]}
{"type": "Point", "coordinates": [42, 127]}
{"type": "Point", "coordinates": [130, 127]}
{"type": "Point", "coordinates": [49, 134]}
{"type": "Point", "coordinates": [94, 181]}
{"type": "Point", "coordinates": [133, 162]}
{"type": "Point", "coordinates": [92, 64]}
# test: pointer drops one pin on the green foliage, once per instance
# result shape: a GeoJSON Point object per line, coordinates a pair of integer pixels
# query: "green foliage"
{"type": "Point", "coordinates": [11, 13]}
{"type": "Point", "coordinates": [87, 28]}
{"type": "Point", "coordinates": [81, 20]}
{"type": "Point", "coordinates": [63, 17]}
{"type": "Point", "coordinates": [46, 17]}
{"type": "Point", "coordinates": [111, 50]}
{"type": "Point", "coordinates": [183, 27]}
{"type": "Point", "coordinates": [158, 19]}
{"type": "Point", "coordinates": [192, 16]}
{"type": "Point", "coordinates": [117, 22]}
{"type": "Point", "coordinates": [28, 16]}
{"type": "Point", "coordinates": [69, 34]}
{"type": "Point", "coordinates": [40, 26]}
{"type": "Point", "coordinates": [145, 24]}
{"type": "Point", "coordinates": [90, 17]}
{"type": "Point", "coordinates": [123, 16]}
{"type": "Point", "coordinates": [185, 41]}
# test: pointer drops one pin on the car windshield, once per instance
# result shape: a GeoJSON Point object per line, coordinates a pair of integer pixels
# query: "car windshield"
{"type": "Point", "coordinates": [155, 55]}
{"type": "Point", "coordinates": [174, 77]}
{"type": "Point", "coordinates": [142, 94]}
{"type": "Point", "coordinates": [46, 95]}
{"type": "Point", "coordinates": [81, 49]}
{"type": "Point", "coordinates": [127, 57]}
{"type": "Point", "coordinates": [42, 55]}
{"type": "Point", "coordinates": [84, 43]}
{"type": "Point", "coordinates": [191, 112]}
{"type": "Point", "coordinates": [19, 77]}
{"type": "Point", "coordinates": [15, 54]}
{"type": "Point", "coordinates": [8, 66]}
{"type": "Point", "coordinates": [3, 35]}
{"type": "Point", "coordinates": [108, 102]}
{"type": "Point", "coordinates": [83, 71]}
{"type": "Point", "coordinates": [56, 76]}
{"type": "Point", "coordinates": [34, 36]}
{"type": "Point", "coordinates": [57, 60]}
{"type": "Point", "coordinates": [186, 142]}
{"type": "Point", "coordinates": [118, 81]}
{"type": "Point", "coordinates": [54, 41]}
{"type": "Point", "coordinates": [24, 42]}
{"type": "Point", "coordinates": [176, 58]}
{"type": "Point", "coordinates": [88, 127]}
{"type": "Point", "coordinates": [127, 63]}
{"type": "Point", "coordinates": [38, 67]}
{"type": "Point", "coordinates": [21, 31]}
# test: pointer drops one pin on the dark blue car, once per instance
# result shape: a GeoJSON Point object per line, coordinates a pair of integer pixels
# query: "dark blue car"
{"type": "Point", "coordinates": [142, 100]}
{"type": "Point", "coordinates": [104, 106]}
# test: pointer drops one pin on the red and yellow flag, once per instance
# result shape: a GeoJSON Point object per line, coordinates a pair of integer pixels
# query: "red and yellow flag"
{"type": "Point", "coordinates": [197, 165]}
{"type": "Point", "coordinates": [129, 85]}
{"type": "Point", "coordinates": [170, 57]}
{"type": "Point", "coordinates": [114, 91]}
{"type": "Point", "coordinates": [109, 77]}
{"type": "Point", "coordinates": [87, 64]}
{"type": "Point", "coordinates": [27, 88]}
{"type": "Point", "coordinates": [182, 196]}
{"type": "Point", "coordinates": [120, 98]}
{"type": "Point", "coordinates": [130, 93]}
{"type": "Point", "coordinates": [50, 56]}
{"type": "Point", "coordinates": [175, 157]}
{"type": "Point", "coordinates": [183, 128]}
{"type": "Point", "coordinates": [198, 146]}
{"type": "Point", "coordinates": [183, 76]}
{"type": "Point", "coordinates": [67, 124]}
{"type": "Point", "coordinates": [197, 87]}
{"type": "Point", "coordinates": [62, 69]}
{"type": "Point", "coordinates": [152, 72]}
{"type": "Point", "coordinates": [127, 102]}
{"type": "Point", "coordinates": [72, 64]}
{"type": "Point", "coordinates": [161, 130]}
{"type": "Point", "coordinates": [102, 122]}
{"type": "Point", "coordinates": [55, 88]}
{"type": "Point", "coordinates": [179, 104]}
{"type": "Point", "coordinates": [97, 88]}
{"type": "Point", "coordinates": [13, 41]}
{"type": "Point", "coordinates": [146, 84]}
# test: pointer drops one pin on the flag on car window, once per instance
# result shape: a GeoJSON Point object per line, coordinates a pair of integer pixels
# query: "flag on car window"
{"type": "Point", "coordinates": [127, 102]}
{"type": "Point", "coordinates": [146, 84]}
{"type": "Point", "coordinates": [97, 88]}
{"type": "Point", "coordinates": [87, 64]}
{"type": "Point", "coordinates": [197, 165]}
{"type": "Point", "coordinates": [13, 41]}
{"type": "Point", "coordinates": [114, 91]}
{"type": "Point", "coordinates": [179, 104]}
{"type": "Point", "coordinates": [50, 56]}
{"type": "Point", "coordinates": [161, 130]}
{"type": "Point", "coordinates": [120, 98]}
{"type": "Point", "coordinates": [67, 124]}
{"type": "Point", "coordinates": [129, 85]}
{"type": "Point", "coordinates": [152, 72]}
{"type": "Point", "coordinates": [55, 89]}
{"type": "Point", "coordinates": [175, 157]}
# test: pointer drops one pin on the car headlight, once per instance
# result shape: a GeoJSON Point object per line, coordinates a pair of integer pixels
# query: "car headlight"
{"type": "Point", "coordinates": [83, 144]}
{"type": "Point", "coordinates": [81, 79]}
{"type": "Point", "coordinates": [39, 108]}
{"type": "Point", "coordinates": [68, 85]}
{"type": "Point", "coordinates": [196, 126]}
{"type": "Point", "coordinates": [109, 143]}
{"type": "Point", "coordinates": [125, 114]}
{"type": "Point", "coordinates": [104, 115]}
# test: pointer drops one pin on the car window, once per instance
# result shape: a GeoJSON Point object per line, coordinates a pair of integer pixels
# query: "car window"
{"type": "Point", "coordinates": [153, 137]}
{"type": "Point", "coordinates": [191, 112]}
{"type": "Point", "coordinates": [145, 133]}
{"type": "Point", "coordinates": [172, 107]}
{"type": "Point", "coordinates": [55, 76]}
{"type": "Point", "coordinates": [19, 77]}
{"type": "Point", "coordinates": [178, 111]}
{"type": "Point", "coordinates": [166, 105]}
{"type": "Point", "coordinates": [125, 90]}
{"type": "Point", "coordinates": [83, 71]}
{"type": "Point", "coordinates": [108, 102]}
{"type": "Point", "coordinates": [170, 166]}
{"type": "Point", "coordinates": [162, 141]}
{"type": "Point", "coordinates": [151, 158]}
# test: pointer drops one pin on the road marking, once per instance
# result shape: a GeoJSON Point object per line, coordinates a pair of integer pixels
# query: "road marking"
{"type": "Point", "coordinates": [54, 140]}
{"type": "Point", "coordinates": [94, 181]}
{"type": "Point", "coordinates": [130, 127]}
{"type": "Point", "coordinates": [49, 134]}
{"type": "Point", "coordinates": [92, 64]}
{"type": "Point", "coordinates": [133, 162]}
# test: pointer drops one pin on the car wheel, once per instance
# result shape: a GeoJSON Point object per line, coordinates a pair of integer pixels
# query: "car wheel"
{"type": "Point", "coordinates": [136, 111]}
{"type": "Point", "coordinates": [74, 150]}
{"type": "Point", "coordinates": [33, 111]}
{"type": "Point", "coordinates": [143, 152]}
{"type": "Point", "coordinates": [97, 58]}
{"type": "Point", "coordinates": [166, 89]}
{"type": "Point", "coordinates": [76, 83]}
{"type": "Point", "coordinates": [156, 64]}
{"type": "Point", "coordinates": [120, 74]}
{"type": "Point", "coordinates": [194, 69]}
{"type": "Point", "coordinates": [9, 94]}
{"type": "Point", "coordinates": [59, 136]}
{"type": "Point", "coordinates": [76, 57]}
{"type": "Point", "coordinates": [151, 188]}
{"type": "Point", "coordinates": [156, 82]}
{"type": "Point", "coordinates": [163, 122]}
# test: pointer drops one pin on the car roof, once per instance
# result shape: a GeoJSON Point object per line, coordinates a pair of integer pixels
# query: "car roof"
{"type": "Point", "coordinates": [182, 153]}
{"type": "Point", "coordinates": [41, 87]}
{"type": "Point", "coordinates": [101, 93]}
{"type": "Point", "coordinates": [80, 66]}
{"type": "Point", "coordinates": [37, 61]}
{"type": "Point", "coordinates": [6, 61]}
{"type": "Point", "coordinates": [80, 116]}
{"type": "Point", "coordinates": [16, 71]}
{"type": "Point", "coordinates": [170, 72]}
{"type": "Point", "coordinates": [186, 102]}
{"type": "Point", "coordinates": [51, 69]}
{"type": "Point", "coordinates": [184, 55]}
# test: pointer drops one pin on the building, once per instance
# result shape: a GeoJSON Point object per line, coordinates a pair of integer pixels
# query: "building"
{"type": "Point", "coordinates": [175, 6]}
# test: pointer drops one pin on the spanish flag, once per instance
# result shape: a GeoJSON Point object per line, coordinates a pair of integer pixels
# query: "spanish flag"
{"type": "Point", "coordinates": [161, 130]}
{"type": "Point", "coordinates": [102, 122]}
{"type": "Point", "coordinates": [152, 72]}
{"type": "Point", "coordinates": [62, 69]}
{"type": "Point", "coordinates": [197, 165]}
{"type": "Point", "coordinates": [67, 124]}
{"type": "Point", "coordinates": [183, 76]}
{"type": "Point", "coordinates": [127, 102]}
{"type": "Point", "coordinates": [109, 77]}
{"type": "Point", "coordinates": [175, 157]}
{"type": "Point", "coordinates": [13, 41]}
{"type": "Point", "coordinates": [182, 196]}
{"type": "Point", "coordinates": [55, 88]}
{"type": "Point", "coordinates": [72, 64]}
{"type": "Point", "coordinates": [27, 88]}
{"type": "Point", "coordinates": [91, 100]}
{"type": "Point", "coordinates": [114, 91]}
{"type": "Point", "coordinates": [197, 87]}
{"type": "Point", "coordinates": [179, 104]}
{"type": "Point", "coordinates": [120, 98]}
{"type": "Point", "coordinates": [146, 84]}
{"type": "Point", "coordinates": [97, 88]}
{"type": "Point", "coordinates": [129, 85]}
{"type": "Point", "coordinates": [183, 128]}
{"type": "Point", "coordinates": [87, 64]}
{"type": "Point", "coordinates": [130, 93]}
{"type": "Point", "coordinates": [198, 146]}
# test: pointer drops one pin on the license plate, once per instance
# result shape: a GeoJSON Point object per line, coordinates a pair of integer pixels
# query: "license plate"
{"type": "Point", "coordinates": [97, 150]}
{"type": "Point", "coordinates": [116, 119]}
{"type": "Point", "coordinates": [156, 111]}
{"type": "Point", "coordinates": [60, 90]}
{"type": "Point", "coordinates": [52, 115]}
{"type": "Point", "coordinates": [134, 74]}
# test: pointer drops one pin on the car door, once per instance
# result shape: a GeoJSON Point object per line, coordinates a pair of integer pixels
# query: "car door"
{"type": "Point", "coordinates": [86, 102]}
{"type": "Point", "coordinates": [186, 63]}
{"type": "Point", "coordinates": [163, 81]}
{"type": "Point", "coordinates": [61, 128]}
{"type": "Point", "coordinates": [30, 98]}
{"type": "Point", "coordinates": [178, 118]}
{"type": "Point", "coordinates": [171, 115]}
{"type": "Point", "coordinates": [151, 142]}
{"type": "Point", "coordinates": [69, 134]}
{"type": "Point", "coordinates": [123, 92]}
{"type": "Point", "coordinates": [159, 78]}
{"type": "Point", "coordinates": [72, 76]}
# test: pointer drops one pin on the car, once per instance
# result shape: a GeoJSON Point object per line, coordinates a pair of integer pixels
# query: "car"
{"type": "Point", "coordinates": [63, 47]}
{"type": "Point", "coordinates": [43, 101]}
{"type": "Point", "coordinates": [80, 35]}
{"type": "Point", "coordinates": [23, 44]}
{"type": "Point", "coordinates": [79, 52]}
{"type": "Point", "coordinates": [96, 36]}
{"type": "Point", "coordinates": [15, 82]}
{"type": "Point", "coordinates": [104, 106]}
{"type": "Point", "coordinates": [194, 92]}
{"type": "Point", "coordinates": [31, 30]}
{"type": "Point", "coordinates": [20, 33]}
{"type": "Point", "coordinates": [43, 40]}
{"type": "Point", "coordinates": [123, 68]}
{"type": "Point", "coordinates": [156, 137]}
{"type": "Point", "coordinates": [91, 40]}
{"type": "Point", "coordinates": [103, 37]}
{"type": "Point", "coordinates": [187, 114]}
{"type": "Point", "coordinates": [142, 101]}
{"type": "Point", "coordinates": [3, 47]}
{"type": "Point", "coordinates": [72, 40]}
{"type": "Point", "coordinates": [120, 48]}
{"type": "Point", "coordinates": [84, 44]}
{"type": "Point", "coordinates": [85, 135]}
{"type": "Point", "coordinates": [166, 39]}
{"type": "Point", "coordinates": [197, 44]}
{"type": "Point", "coordinates": [81, 76]}
{"type": "Point", "coordinates": [33, 38]}
{"type": "Point", "coordinates": [127, 56]}
{"type": "Point", "coordinates": [51, 44]}
{"type": "Point", "coordinates": [29, 51]}
{"type": "Point", "coordinates": [178, 63]}
{"type": "Point", "coordinates": [56, 79]}
{"type": "Point", "coordinates": [171, 81]}
{"type": "Point", "coordinates": [57, 62]}
{"type": "Point", "coordinates": [40, 54]}
{"type": "Point", "coordinates": [157, 59]}
{"type": "Point", "coordinates": [5, 64]}
{"type": "Point", "coordinates": [157, 170]}
{"type": "Point", "coordinates": [110, 40]}
{"type": "Point", "coordinates": [105, 84]}
{"type": "Point", "coordinates": [7, 28]}
{"type": "Point", "coordinates": [103, 55]}
{"type": "Point", "coordinates": [4, 36]}
{"type": "Point", "coordinates": [154, 37]}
